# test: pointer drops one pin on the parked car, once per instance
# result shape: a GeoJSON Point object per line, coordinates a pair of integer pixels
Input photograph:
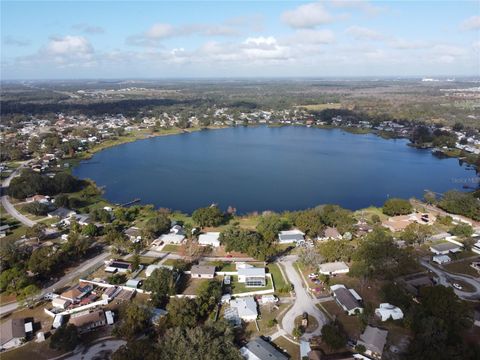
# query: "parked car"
{"type": "Point", "coordinates": [312, 276]}
{"type": "Point", "coordinates": [457, 286]}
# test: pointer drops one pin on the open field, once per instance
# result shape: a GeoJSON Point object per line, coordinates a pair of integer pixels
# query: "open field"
{"type": "Point", "coordinates": [319, 107]}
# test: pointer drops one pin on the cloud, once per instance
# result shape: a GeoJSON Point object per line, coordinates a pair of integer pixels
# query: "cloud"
{"type": "Point", "coordinates": [69, 45]}
{"type": "Point", "coordinates": [402, 44]}
{"type": "Point", "coordinates": [307, 16]}
{"type": "Point", "coordinates": [10, 40]}
{"type": "Point", "coordinates": [89, 29]}
{"type": "Point", "coordinates": [362, 5]}
{"type": "Point", "coordinates": [362, 33]}
{"type": "Point", "coordinates": [472, 23]}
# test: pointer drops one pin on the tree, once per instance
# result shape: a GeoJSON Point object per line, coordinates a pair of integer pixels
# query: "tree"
{"type": "Point", "coordinates": [309, 257]}
{"type": "Point", "coordinates": [100, 215]}
{"type": "Point", "coordinates": [394, 207]}
{"type": "Point", "coordinates": [246, 241]}
{"type": "Point", "coordinates": [13, 280]}
{"type": "Point", "coordinates": [28, 295]}
{"type": "Point", "coordinates": [212, 341]}
{"type": "Point", "coordinates": [462, 230]}
{"type": "Point", "coordinates": [90, 230]}
{"type": "Point", "coordinates": [208, 296]}
{"type": "Point", "coordinates": [335, 250]}
{"type": "Point", "coordinates": [335, 216]}
{"type": "Point", "coordinates": [135, 262]}
{"type": "Point", "coordinates": [37, 231]}
{"type": "Point", "coordinates": [270, 225]}
{"type": "Point", "coordinates": [158, 225]}
{"type": "Point", "coordinates": [333, 336]}
{"type": "Point", "coordinates": [65, 338]}
{"type": "Point", "coordinates": [457, 202]}
{"type": "Point", "coordinates": [37, 208]}
{"type": "Point", "coordinates": [139, 349]}
{"type": "Point", "coordinates": [416, 233]}
{"type": "Point", "coordinates": [135, 318]}
{"type": "Point", "coordinates": [395, 295]}
{"type": "Point", "coordinates": [42, 261]}
{"type": "Point", "coordinates": [162, 284]}
{"type": "Point", "coordinates": [297, 332]}
{"type": "Point", "coordinates": [309, 222]}
{"type": "Point", "coordinates": [209, 216]}
{"type": "Point", "coordinates": [182, 312]}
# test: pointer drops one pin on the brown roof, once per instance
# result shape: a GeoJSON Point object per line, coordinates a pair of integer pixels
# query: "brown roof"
{"type": "Point", "coordinates": [71, 294]}
{"type": "Point", "coordinates": [11, 329]}
{"type": "Point", "coordinates": [82, 319]}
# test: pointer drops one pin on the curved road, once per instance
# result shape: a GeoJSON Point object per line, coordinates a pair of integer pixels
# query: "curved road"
{"type": "Point", "coordinates": [7, 205]}
{"type": "Point", "coordinates": [446, 280]}
{"type": "Point", "coordinates": [303, 301]}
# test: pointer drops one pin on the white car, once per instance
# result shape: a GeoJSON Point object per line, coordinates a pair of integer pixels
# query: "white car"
{"type": "Point", "coordinates": [457, 286]}
{"type": "Point", "coordinates": [312, 276]}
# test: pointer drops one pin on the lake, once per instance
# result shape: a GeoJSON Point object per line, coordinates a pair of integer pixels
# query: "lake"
{"type": "Point", "coordinates": [262, 168]}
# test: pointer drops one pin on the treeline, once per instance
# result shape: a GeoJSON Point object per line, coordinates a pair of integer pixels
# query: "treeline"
{"type": "Point", "coordinates": [31, 183]}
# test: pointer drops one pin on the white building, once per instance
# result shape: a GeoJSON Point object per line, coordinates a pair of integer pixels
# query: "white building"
{"type": "Point", "coordinates": [170, 239]}
{"type": "Point", "coordinates": [333, 268]}
{"type": "Point", "coordinates": [441, 259]}
{"type": "Point", "coordinates": [252, 277]}
{"type": "Point", "coordinates": [291, 236]}
{"type": "Point", "coordinates": [12, 333]}
{"type": "Point", "coordinates": [209, 238]}
{"type": "Point", "coordinates": [246, 308]}
{"type": "Point", "coordinates": [387, 311]}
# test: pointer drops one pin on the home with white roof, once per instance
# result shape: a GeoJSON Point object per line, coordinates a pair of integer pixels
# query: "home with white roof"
{"type": "Point", "coordinates": [209, 239]}
{"type": "Point", "coordinates": [348, 299]}
{"type": "Point", "coordinates": [246, 308]}
{"type": "Point", "coordinates": [291, 236]}
{"type": "Point", "coordinates": [252, 276]}
{"type": "Point", "coordinates": [387, 311]}
{"type": "Point", "coordinates": [333, 268]}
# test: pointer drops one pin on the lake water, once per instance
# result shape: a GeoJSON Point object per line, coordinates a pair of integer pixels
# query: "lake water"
{"type": "Point", "coordinates": [283, 168]}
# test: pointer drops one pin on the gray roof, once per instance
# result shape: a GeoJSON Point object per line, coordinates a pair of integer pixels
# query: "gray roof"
{"type": "Point", "coordinates": [290, 237]}
{"type": "Point", "coordinates": [61, 212]}
{"type": "Point", "coordinates": [345, 297]}
{"type": "Point", "coordinates": [252, 272]}
{"type": "Point", "coordinates": [374, 339]}
{"type": "Point", "coordinates": [203, 269]}
{"type": "Point", "coordinates": [445, 246]}
{"type": "Point", "coordinates": [12, 329]}
{"type": "Point", "coordinates": [264, 350]}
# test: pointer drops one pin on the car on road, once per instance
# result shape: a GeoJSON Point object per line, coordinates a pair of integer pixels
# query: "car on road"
{"type": "Point", "coordinates": [457, 286]}
{"type": "Point", "coordinates": [49, 296]}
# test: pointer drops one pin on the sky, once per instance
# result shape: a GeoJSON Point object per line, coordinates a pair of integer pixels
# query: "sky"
{"type": "Point", "coordinates": [209, 39]}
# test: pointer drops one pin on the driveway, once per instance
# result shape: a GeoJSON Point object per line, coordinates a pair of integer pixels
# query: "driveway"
{"type": "Point", "coordinates": [98, 351]}
{"type": "Point", "coordinates": [303, 301]}
{"type": "Point", "coordinates": [446, 279]}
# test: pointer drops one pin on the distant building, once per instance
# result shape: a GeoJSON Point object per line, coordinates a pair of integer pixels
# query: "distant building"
{"type": "Point", "coordinates": [246, 308]}
{"type": "Point", "coordinates": [259, 349]}
{"type": "Point", "coordinates": [330, 233]}
{"type": "Point", "coordinates": [169, 239]}
{"type": "Point", "coordinates": [252, 277]}
{"type": "Point", "coordinates": [12, 333]}
{"type": "Point", "coordinates": [133, 283]}
{"type": "Point", "coordinates": [134, 234]}
{"type": "Point", "coordinates": [374, 340]}
{"type": "Point", "coordinates": [445, 248]}
{"type": "Point", "coordinates": [441, 259]}
{"type": "Point", "coordinates": [333, 268]}
{"type": "Point", "coordinates": [61, 213]}
{"type": "Point", "coordinates": [291, 236]}
{"type": "Point", "coordinates": [86, 321]}
{"type": "Point", "coordinates": [113, 266]}
{"type": "Point", "coordinates": [209, 239]}
{"type": "Point", "coordinates": [202, 272]}
{"type": "Point", "coordinates": [387, 311]}
{"type": "Point", "coordinates": [348, 299]}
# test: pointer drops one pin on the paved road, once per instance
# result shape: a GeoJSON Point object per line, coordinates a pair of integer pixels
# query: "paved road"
{"type": "Point", "coordinates": [7, 205]}
{"type": "Point", "coordinates": [83, 268]}
{"type": "Point", "coordinates": [99, 350]}
{"type": "Point", "coordinates": [446, 279]}
{"type": "Point", "coordinates": [303, 302]}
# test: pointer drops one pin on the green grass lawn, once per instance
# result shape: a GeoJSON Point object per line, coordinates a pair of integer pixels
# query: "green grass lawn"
{"type": "Point", "coordinates": [239, 288]}
{"type": "Point", "coordinates": [171, 248]}
{"type": "Point", "coordinates": [278, 279]}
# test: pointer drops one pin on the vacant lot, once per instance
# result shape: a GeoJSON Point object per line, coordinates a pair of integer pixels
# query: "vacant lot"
{"type": "Point", "coordinates": [351, 324]}
{"type": "Point", "coordinates": [462, 267]}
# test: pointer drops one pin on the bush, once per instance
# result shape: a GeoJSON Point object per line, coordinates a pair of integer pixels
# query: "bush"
{"type": "Point", "coordinates": [65, 338]}
{"type": "Point", "coordinates": [37, 208]}
{"type": "Point", "coordinates": [394, 207]}
{"type": "Point", "coordinates": [209, 216]}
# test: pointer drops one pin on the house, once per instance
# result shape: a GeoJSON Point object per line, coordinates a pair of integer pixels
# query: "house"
{"type": "Point", "coordinates": [330, 233]}
{"type": "Point", "coordinates": [82, 219]}
{"type": "Point", "coordinates": [57, 321]}
{"type": "Point", "coordinates": [259, 349]}
{"type": "Point", "coordinates": [109, 317]}
{"type": "Point", "coordinates": [441, 259]}
{"type": "Point", "coordinates": [252, 277]}
{"type": "Point", "coordinates": [374, 340]}
{"type": "Point", "coordinates": [333, 268]}
{"type": "Point", "coordinates": [134, 283]}
{"type": "Point", "coordinates": [59, 303]}
{"type": "Point", "coordinates": [110, 293]}
{"type": "Point", "coordinates": [399, 223]}
{"type": "Point", "coordinates": [415, 283]}
{"type": "Point", "coordinates": [291, 236]}
{"type": "Point", "coordinates": [157, 314]}
{"type": "Point", "coordinates": [246, 308]}
{"type": "Point", "coordinates": [203, 272]}
{"type": "Point", "coordinates": [134, 234]}
{"type": "Point", "coordinates": [445, 248]}
{"type": "Point", "coordinates": [61, 213]}
{"type": "Point", "coordinates": [12, 333]}
{"type": "Point", "coordinates": [77, 293]}
{"type": "Point", "coordinates": [348, 299]}
{"type": "Point", "coordinates": [387, 311]}
{"type": "Point", "coordinates": [39, 198]}
{"type": "Point", "coordinates": [169, 239]}
{"type": "Point", "coordinates": [268, 299]}
{"type": "Point", "coordinates": [113, 266]}
{"type": "Point", "coordinates": [86, 321]}
{"type": "Point", "coordinates": [209, 239]}
{"type": "Point", "coordinates": [177, 229]}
